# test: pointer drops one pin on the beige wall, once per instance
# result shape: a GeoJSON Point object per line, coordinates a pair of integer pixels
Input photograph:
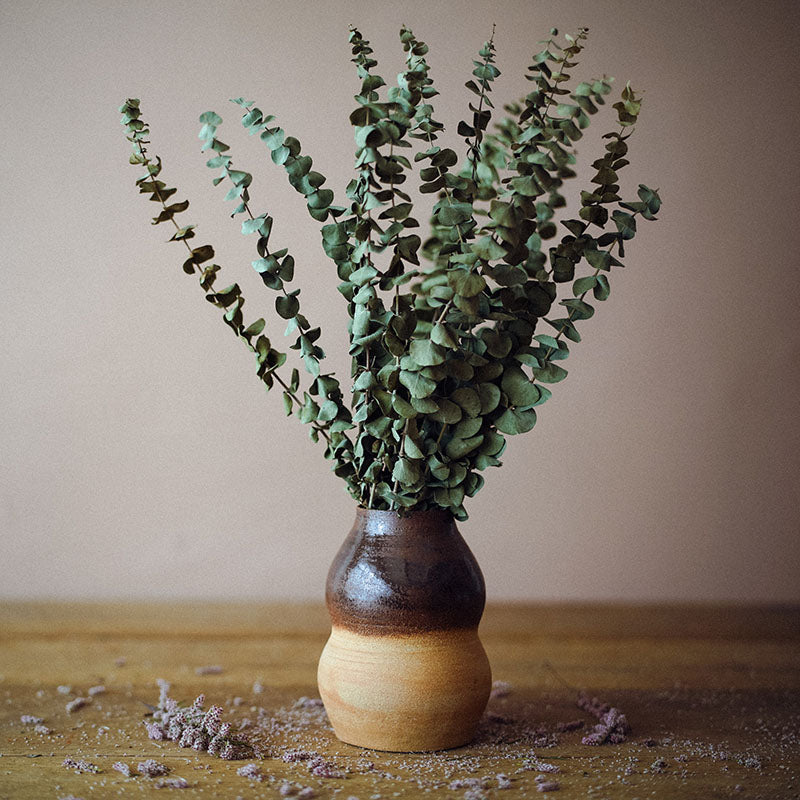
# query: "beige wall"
{"type": "Point", "coordinates": [140, 457]}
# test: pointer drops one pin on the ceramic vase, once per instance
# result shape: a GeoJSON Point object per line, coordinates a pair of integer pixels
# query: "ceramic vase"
{"type": "Point", "coordinates": [404, 669]}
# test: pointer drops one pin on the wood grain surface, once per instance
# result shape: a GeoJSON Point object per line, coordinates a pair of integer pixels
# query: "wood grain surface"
{"type": "Point", "coordinates": [712, 695]}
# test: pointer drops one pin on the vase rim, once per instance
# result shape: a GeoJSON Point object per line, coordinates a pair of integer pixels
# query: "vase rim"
{"type": "Point", "coordinates": [362, 512]}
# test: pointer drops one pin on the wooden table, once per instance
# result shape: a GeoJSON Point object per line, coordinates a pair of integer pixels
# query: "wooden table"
{"type": "Point", "coordinates": [711, 695]}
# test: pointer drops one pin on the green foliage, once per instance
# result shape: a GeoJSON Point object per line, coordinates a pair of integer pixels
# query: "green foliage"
{"type": "Point", "coordinates": [448, 355]}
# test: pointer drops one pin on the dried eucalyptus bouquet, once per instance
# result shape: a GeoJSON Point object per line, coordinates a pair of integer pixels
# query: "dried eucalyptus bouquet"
{"type": "Point", "coordinates": [448, 352]}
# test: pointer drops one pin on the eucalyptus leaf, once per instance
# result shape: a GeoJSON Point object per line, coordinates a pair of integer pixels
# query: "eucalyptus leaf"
{"type": "Point", "coordinates": [513, 421]}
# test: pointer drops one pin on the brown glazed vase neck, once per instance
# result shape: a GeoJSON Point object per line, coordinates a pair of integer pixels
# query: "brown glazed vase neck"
{"type": "Point", "coordinates": [399, 575]}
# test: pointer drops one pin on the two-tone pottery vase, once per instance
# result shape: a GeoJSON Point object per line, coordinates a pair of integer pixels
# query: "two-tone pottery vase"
{"type": "Point", "coordinates": [403, 669]}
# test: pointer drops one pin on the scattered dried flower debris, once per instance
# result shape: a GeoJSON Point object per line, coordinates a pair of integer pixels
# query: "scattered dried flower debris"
{"type": "Point", "coordinates": [288, 789]}
{"type": "Point", "coordinates": [500, 689]}
{"type": "Point", "coordinates": [78, 702]}
{"type": "Point", "coordinates": [308, 702]}
{"type": "Point", "coordinates": [80, 765]}
{"type": "Point", "coordinates": [43, 729]}
{"type": "Point", "coordinates": [210, 669]}
{"type": "Point", "coordinates": [172, 783]}
{"type": "Point", "coordinates": [125, 769]}
{"type": "Point", "coordinates": [612, 726]}
{"type": "Point", "coordinates": [468, 783]}
{"type": "Point", "coordinates": [152, 768]}
{"type": "Point", "coordinates": [324, 769]}
{"type": "Point", "coordinates": [193, 727]}
{"type": "Point", "coordinates": [503, 781]}
{"type": "Point", "coordinates": [290, 756]}
{"type": "Point", "coordinates": [252, 771]}
{"type": "Point", "coordinates": [29, 719]}
{"type": "Point", "coordinates": [541, 766]}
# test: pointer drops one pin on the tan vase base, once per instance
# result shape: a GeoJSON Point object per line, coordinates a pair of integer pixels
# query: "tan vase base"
{"type": "Point", "coordinates": [405, 692]}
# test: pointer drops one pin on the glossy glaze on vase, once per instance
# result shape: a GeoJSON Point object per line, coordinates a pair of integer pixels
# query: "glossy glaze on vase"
{"type": "Point", "coordinates": [404, 669]}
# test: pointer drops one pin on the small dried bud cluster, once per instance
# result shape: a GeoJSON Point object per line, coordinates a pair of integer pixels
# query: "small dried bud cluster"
{"type": "Point", "coordinates": [193, 727]}
{"type": "Point", "coordinates": [500, 689]}
{"type": "Point", "coordinates": [78, 702]}
{"type": "Point", "coordinates": [612, 726]}
{"type": "Point", "coordinates": [80, 765]}
{"type": "Point", "coordinates": [252, 771]}
{"type": "Point", "coordinates": [152, 769]}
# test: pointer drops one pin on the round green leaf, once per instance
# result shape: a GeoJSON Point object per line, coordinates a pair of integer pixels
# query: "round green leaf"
{"type": "Point", "coordinates": [514, 421]}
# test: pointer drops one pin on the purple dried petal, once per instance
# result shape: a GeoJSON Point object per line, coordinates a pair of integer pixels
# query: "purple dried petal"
{"type": "Point", "coordinates": [200, 742]}
{"type": "Point", "coordinates": [187, 737]}
{"type": "Point", "coordinates": [172, 783]}
{"type": "Point", "coordinates": [29, 719]}
{"type": "Point", "coordinates": [96, 690]}
{"type": "Point", "coordinates": [175, 730]}
{"type": "Point", "coordinates": [324, 769]}
{"type": "Point", "coordinates": [548, 786]}
{"type": "Point", "coordinates": [467, 783]}
{"type": "Point", "coordinates": [210, 669]}
{"type": "Point", "coordinates": [252, 771]}
{"type": "Point", "coordinates": [80, 765]}
{"type": "Point", "coordinates": [290, 756]}
{"type": "Point", "coordinates": [154, 731]}
{"type": "Point", "coordinates": [78, 702]}
{"type": "Point", "coordinates": [500, 689]}
{"type": "Point", "coordinates": [43, 729]}
{"type": "Point", "coordinates": [307, 702]}
{"type": "Point", "coordinates": [152, 769]}
{"type": "Point", "coordinates": [542, 766]}
{"type": "Point", "coordinates": [120, 766]}
{"type": "Point", "coordinates": [212, 720]}
{"type": "Point", "coordinates": [594, 739]}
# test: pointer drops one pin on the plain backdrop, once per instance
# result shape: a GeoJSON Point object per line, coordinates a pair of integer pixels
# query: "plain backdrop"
{"type": "Point", "coordinates": [139, 454]}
